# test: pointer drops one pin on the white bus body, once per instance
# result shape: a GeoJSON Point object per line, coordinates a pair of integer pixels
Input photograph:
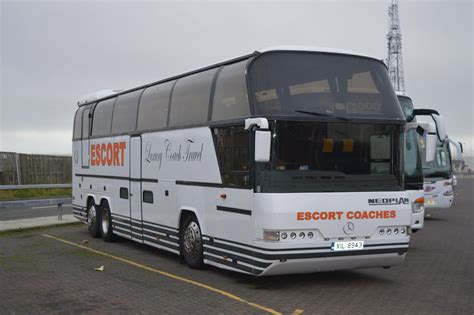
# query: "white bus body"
{"type": "Point", "coordinates": [416, 188]}
{"type": "Point", "coordinates": [171, 165]}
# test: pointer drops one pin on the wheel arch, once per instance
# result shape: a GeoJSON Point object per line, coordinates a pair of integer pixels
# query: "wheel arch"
{"type": "Point", "coordinates": [185, 211]}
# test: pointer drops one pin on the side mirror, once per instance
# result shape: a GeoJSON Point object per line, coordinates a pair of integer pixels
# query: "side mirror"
{"type": "Point", "coordinates": [440, 127]}
{"type": "Point", "coordinates": [263, 141]}
{"type": "Point", "coordinates": [431, 140]}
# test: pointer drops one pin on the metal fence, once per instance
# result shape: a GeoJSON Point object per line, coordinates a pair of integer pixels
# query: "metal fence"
{"type": "Point", "coordinates": [30, 169]}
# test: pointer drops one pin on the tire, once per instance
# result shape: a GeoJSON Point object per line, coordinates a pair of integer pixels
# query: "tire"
{"type": "Point", "coordinates": [414, 230]}
{"type": "Point", "coordinates": [106, 223]}
{"type": "Point", "coordinates": [190, 241]}
{"type": "Point", "coordinates": [93, 218]}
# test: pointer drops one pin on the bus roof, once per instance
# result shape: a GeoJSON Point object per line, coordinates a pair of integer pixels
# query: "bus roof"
{"type": "Point", "coordinates": [106, 94]}
{"type": "Point", "coordinates": [315, 49]}
{"type": "Point", "coordinates": [400, 93]}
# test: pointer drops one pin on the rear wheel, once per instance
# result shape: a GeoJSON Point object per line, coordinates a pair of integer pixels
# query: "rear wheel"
{"type": "Point", "coordinates": [106, 222]}
{"type": "Point", "coordinates": [191, 242]}
{"type": "Point", "coordinates": [93, 220]}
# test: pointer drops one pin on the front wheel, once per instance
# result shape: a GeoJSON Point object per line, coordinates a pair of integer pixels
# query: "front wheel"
{"type": "Point", "coordinates": [93, 220]}
{"type": "Point", "coordinates": [191, 242]}
{"type": "Point", "coordinates": [106, 223]}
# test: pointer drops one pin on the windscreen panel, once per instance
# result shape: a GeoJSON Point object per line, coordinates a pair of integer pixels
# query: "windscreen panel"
{"type": "Point", "coordinates": [407, 107]}
{"type": "Point", "coordinates": [302, 84]}
{"type": "Point", "coordinates": [332, 157]}
{"type": "Point", "coordinates": [441, 165]}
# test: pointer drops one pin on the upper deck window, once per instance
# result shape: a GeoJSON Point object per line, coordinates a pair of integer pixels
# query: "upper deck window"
{"type": "Point", "coordinates": [305, 84]}
{"type": "Point", "coordinates": [154, 104]}
{"type": "Point", "coordinates": [125, 112]}
{"type": "Point", "coordinates": [78, 124]}
{"type": "Point", "coordinates": [190, 99]}
{"type": "Point", "coordinates": [230, 96]}
{"type": "Point", "coordinates": [102, 121]}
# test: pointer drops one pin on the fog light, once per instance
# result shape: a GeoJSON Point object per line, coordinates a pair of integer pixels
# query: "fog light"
{"type": "Point", "coordinates": [402, 230]}
{"type": "Point", "coordinates": [310, 234]}
{"type": "Point", "coordinates": [395, 231]}
{"type": "Point", "coordinates": [382, 232]}
{"type": "Point", "coordinates": [293, 235]}
{"type": "Point", "coordinates": [302, 235]}
{"type": "Point", "coordinates": [389, 231]}
{"type": "Point", "coordinates": [284, 235]}
{"type": "Point", "coordinates": [271, 235]}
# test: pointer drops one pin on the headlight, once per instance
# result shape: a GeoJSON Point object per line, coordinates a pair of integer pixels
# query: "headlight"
{"type": "Point", "coordinates": [419, 205]}
{"type": "Point", "coordinates": [269, 235]}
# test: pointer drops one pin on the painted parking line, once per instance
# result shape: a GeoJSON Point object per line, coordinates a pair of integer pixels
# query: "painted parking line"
{"type": "Point", "coordinates": [169, 275]}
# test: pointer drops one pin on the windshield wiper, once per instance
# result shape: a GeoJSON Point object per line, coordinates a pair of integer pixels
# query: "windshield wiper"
{"type": "Point", "coordinates": [322, 115]}
{"type": "Point", "coordinates": [438, 174]}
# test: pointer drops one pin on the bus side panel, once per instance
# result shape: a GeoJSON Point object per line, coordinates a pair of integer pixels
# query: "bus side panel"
{"type": "Point", "coordinates": [78, 198]}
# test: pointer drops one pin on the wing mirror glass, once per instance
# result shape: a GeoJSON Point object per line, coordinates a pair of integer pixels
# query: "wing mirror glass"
{"type": "Point", "coordinates": [431, 140]}
{"type": "Point", "coordinates": [262, 145]}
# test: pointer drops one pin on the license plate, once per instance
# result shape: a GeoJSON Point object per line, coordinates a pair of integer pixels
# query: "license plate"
{"type": "Point", "coordinates": [352, 245]}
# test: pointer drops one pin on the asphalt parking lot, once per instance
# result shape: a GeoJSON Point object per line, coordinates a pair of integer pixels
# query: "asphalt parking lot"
{"type": "Point", "coordinates": [48, 271]}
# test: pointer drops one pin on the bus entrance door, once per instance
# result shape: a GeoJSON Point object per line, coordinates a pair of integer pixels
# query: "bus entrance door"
{"type": "Point", "coordinates": [136, 188]}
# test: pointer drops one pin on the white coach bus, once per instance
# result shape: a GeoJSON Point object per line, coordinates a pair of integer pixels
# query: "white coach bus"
{"type": "Point", "coordinates": [438, 174]}
{"type": "Point", "coordinates": [286, 160]}
{"type": "Point", "coordinates": [413, 169]}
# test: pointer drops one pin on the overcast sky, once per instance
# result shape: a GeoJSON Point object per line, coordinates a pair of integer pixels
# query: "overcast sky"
{"type": "Point", "coordinates": [52, 53]}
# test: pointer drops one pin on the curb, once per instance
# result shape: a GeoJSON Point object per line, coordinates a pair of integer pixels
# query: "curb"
{"type": "Point", "coordinates": [23, 225]}
{"type": "Point", "coordinates": [34, 202]}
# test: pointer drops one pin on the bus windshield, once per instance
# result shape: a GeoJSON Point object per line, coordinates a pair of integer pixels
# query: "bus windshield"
{"type": "Point", "coordinates": [407, 106]}
{"type": "Point", "coordinates": [328, 157]}
{"type": "Point", "coordinates": [441, 165]}
{"type": "Point", "coordinates": [326, 85]}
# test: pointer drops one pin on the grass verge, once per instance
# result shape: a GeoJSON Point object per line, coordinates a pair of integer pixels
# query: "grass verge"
{"type": "Point", "coordinates": [34, 193]}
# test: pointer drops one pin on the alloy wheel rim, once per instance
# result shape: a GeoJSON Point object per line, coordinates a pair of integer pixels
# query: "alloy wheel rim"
{"type": "Point", "coordinates": [192, 239]}
{"type": "Point", "coordinates": [105, 220]}
{"type": "Point", "coordinates": [91, 215]}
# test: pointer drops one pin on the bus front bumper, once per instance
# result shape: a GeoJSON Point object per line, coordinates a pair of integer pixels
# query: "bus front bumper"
{"type": "Point", "coordinates": [333, 263]}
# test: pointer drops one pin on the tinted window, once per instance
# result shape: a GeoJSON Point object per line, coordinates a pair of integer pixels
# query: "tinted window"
{"type": "Point", "coordinates": [125, 112]}
{"type": "Point", "coordinates": [153, 109]}
{"type": "Point", "coordinates": [412, 161]}
{"type": "Point", "coordinates": [321, 156]}
{"type": "Point", "coordinates": [85, 122]}
{"type": "Point", "coordinates": [190, 99]}
{"type": "Point", "coordinates": [102, 120]}
{"type": "Point", "coordinates": [230, 96]}
{"type": "Point", "coordinates": [147, 196]}
{"type": "Point", "coordinates": [78, 124]}
{"type": "Point", "coordinates": [407, 107]}
{"type": "Point", "coordinates": [123, 192]}
{"type": "Point", "coordinates": [315, 84]}
{"type": "Point", "coordinates": [233, 153]}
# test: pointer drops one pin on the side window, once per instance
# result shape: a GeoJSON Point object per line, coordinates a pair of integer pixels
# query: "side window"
{"type": "Point", "coordinates": [230, 97]}
{"type": "Point", "coordinates": [153, 108]}
{"type": "Point", "coordinates": [85, 122]}
{"type": "Point", "coordinates": [125, 112]}
{"type": "Point", "coordinates": [124, 192]}
{"type": "Point", "coordinates": [233, 154]}
{"type": "Point", "coordinates": [102, 119]}
{"type": "Point", "coordinates": [148, 196]}
{"type": "Point", "coordinates": [190, 99]}
{"type": "Point", "coordinates": [77, 133]}
{"type": "Point", "coordinates": [411, 153]}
